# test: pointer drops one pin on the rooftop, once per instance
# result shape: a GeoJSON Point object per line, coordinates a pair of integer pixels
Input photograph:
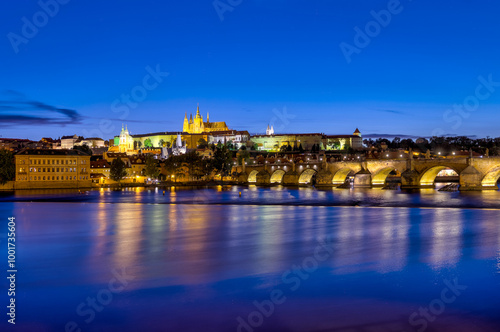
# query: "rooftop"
{"type": "Point", "coordinates": [49, 152]}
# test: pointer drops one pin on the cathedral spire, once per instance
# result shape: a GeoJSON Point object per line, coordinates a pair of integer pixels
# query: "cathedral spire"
{"type": "Point", "coordinates": [198, 112]}
{"type": "Point", "coordinates": [208, 118]}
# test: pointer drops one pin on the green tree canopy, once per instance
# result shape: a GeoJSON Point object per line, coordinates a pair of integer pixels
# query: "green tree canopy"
{"type": "Point", "coordinates": [117, 170]}
{"type": "Point", "coordinates": [202, 143]}
{"type": "Point", "coordinates": [222, 160]}
{"type": "Point", "coordinates": [243, 156]}
{"type": "Point", "coordinates": [147, 143]}
{"type": "Point", "coordinates": [151, 169]}
{"type": "Point", "coordinates": [84, 148]}
{"type": "Point", "coordinates": [7, 166]}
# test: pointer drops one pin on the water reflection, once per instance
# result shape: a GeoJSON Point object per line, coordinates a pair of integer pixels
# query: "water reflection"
{"type": "Point", "coordinates": [192, 259]}
{"type": "Point", "coordinates": [128, 235]}
{"type": "Point", "coordinates": [444, 231]}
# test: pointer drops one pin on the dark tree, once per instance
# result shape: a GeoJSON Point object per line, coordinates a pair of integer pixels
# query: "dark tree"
{"type": "Point", "coordinates": [202, 143]}
{"type": "Point", "coordinates": [117, 170]}
{"type": "Point", "coordinates": [151, 169]}
{"type": "Point", "coordinates": [83, 148]}
{"type": "Point", "coordinates": [243, 156]}
{"type": "Point", "coordinates": [222, 161]}
{"type": "Point", "coordinates": [7, 166]}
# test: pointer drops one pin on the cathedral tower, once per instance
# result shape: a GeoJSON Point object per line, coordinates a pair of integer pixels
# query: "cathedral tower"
{"type": "Point", "coordinates": [185, 127]}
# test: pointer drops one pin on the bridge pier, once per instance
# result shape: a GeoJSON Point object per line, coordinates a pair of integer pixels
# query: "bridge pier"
{"type": "Point", "coordinates": [363, 179]}
{"type": "Point", "coordinates": [243, 178]}
{"type": "Point", "coordinates": [471, 179]}
{"type": "Point", "coordinates": [324, 178]}
{"type": "Point", "coordinates": [410, 179]}
{"type": "Point", "coordinates": [291, 178]}
{"type": "Point", "coordinates": [263, 178]}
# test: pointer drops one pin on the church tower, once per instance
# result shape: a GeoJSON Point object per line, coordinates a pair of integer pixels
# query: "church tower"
{"type": "Point", "coordinates": [185, 127]}
{"type": "Point", "coordinates": [198, 126]}
{"type": "Point", "coordinates": [269, 131]}
{"type": "Point", "coordinates": [125, 140]}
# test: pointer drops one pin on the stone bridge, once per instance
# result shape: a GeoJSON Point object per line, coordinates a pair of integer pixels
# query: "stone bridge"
{"type": "Point", "coordinates": [474, 173]}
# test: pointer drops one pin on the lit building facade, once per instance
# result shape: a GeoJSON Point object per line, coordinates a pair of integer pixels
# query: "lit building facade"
{"type": "Point", "coordinates": [68, 142]}
{"type": "Point", "coordinates": [307, 141]}
{"type": "Point", "coordinates": [52, 169]}
{"type": "Point", "coordinates": [238, 138]}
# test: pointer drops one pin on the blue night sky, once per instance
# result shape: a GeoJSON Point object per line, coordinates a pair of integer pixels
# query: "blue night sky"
{"type": "Point", "coordinates": [267, 61]}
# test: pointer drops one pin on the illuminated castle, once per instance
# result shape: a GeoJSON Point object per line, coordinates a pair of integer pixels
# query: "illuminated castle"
{"type": "Point", "coordinates": [197, 126]}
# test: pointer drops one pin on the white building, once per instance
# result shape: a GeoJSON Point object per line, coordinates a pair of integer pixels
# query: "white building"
{"type": "Point", "coordinates": [68, 142]}
{"type": "Point", "coordinates": [239, 138]}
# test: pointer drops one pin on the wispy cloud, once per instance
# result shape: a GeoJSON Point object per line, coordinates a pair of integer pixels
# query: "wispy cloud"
{"type": "Point", "coordinates": [16, 109]}
{"type": "Point", "coordinates": [390, 111]}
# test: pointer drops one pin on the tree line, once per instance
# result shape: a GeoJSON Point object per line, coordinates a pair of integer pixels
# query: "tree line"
{"type": "Point", "coordinates": [446, 145]}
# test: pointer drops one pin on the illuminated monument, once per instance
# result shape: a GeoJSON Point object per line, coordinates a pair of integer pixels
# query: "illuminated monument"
{"type": "Point", "coordinates": [198, 126]}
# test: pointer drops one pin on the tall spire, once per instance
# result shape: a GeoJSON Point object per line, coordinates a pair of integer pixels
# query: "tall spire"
{"type": "Point", "coordinates": [208, 118]}
{"type": "Point", "coordinates": [185, 116]}
{"type": "Point", "coordinates": [198, 111]}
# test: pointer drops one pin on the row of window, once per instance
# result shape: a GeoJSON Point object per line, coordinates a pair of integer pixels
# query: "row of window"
{"type": "Point", "coordinates": [53, 178]}
{"type": "Point", "coordinates": [55, 162]}
{"type": "Point", "coordinates": [54, 169]}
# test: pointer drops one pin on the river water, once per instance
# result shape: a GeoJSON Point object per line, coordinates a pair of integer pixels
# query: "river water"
{"type": "Point", "coordinates": [272, 259]}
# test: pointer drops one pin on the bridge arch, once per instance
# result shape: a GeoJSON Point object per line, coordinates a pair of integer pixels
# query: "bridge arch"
{"type": "Point", "coordinates": [490, 180]}
{"type": "Point", "coordinates": [341, 175]}
{"type": "Point", "coordinates": [379, 178]}
{"type": "Point", "coordinates": [428, 177]}
{"type": "Point", "coordinates": [306, 176]}
{"type": "Point", "coordinates": [252, 177]}
{"type": "Point", "coordinates": [277, 176]}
